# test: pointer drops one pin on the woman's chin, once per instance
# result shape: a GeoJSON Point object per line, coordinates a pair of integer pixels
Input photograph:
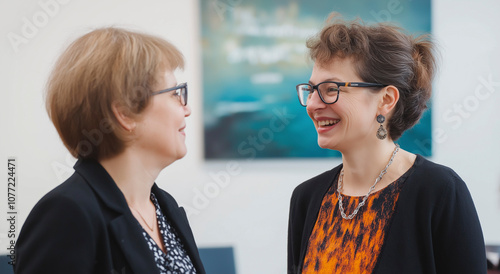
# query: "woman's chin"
{"type": "Point", "coordinates": [326, 145]}
{"type": "Point", "coordinates": [182, 153]}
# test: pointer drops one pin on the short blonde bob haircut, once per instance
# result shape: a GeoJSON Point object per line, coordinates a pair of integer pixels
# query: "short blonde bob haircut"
{"type": "Point", "coordinates": [104, 67]}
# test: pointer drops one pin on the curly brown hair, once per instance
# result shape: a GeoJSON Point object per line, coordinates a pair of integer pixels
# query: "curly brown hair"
{"type": "Point", "coordinates": [382, 53]}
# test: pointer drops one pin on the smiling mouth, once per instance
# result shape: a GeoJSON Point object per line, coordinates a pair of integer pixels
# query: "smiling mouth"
{"type": "Point", "coordinates": [327, 123]}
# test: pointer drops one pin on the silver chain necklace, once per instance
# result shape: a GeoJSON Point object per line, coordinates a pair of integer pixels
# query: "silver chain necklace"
{"type": "Point", "coordinates": [362, 203]}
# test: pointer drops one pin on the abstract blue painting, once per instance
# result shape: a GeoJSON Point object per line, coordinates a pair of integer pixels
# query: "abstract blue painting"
{"type": "Point", "coordinates": [254, 54]}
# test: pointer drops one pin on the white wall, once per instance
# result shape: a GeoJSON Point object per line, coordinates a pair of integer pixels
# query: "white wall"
{"type": "Point", "coordinates": [466, 102]}
{"type": "Point", "coordinates": [250, 211]}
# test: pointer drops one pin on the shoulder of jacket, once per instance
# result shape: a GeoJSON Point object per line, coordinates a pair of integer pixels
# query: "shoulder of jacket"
{"type": "Point", "coordinates": [433, 176]}
{"type": "Point", "coordinates": [72, 195]}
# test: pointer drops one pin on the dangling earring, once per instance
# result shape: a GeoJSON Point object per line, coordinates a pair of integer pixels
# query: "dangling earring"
{"type": "Point", "coordinates": [381, 132]}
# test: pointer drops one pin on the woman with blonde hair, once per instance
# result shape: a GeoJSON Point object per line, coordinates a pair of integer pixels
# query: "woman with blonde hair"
{"type": "Point", "coordinates": [384, 209]}
{"type": "Point", "coordinates": [118, 108]}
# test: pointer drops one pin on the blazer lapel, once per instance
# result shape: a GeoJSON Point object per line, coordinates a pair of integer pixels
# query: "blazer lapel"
{"type": "Point", "coordinates": [136, 250]}
{"type": "Point", "coordinates": [178, 219]}
{"type": "Point", "coordinates": [124, 226]}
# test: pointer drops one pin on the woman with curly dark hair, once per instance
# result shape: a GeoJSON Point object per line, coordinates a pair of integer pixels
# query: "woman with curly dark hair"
{"type": "Point", "coordinates": [384, 209]}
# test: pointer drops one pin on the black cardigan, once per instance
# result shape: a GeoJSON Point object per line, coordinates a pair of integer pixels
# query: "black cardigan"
{"type": "Point", "coordinates": [435, 227]}
{"type": "Point", "coordinates": [85, 226]}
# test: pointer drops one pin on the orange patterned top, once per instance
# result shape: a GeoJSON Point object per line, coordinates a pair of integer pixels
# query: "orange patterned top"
{"type": "Point", "coordinates": [337, 245]}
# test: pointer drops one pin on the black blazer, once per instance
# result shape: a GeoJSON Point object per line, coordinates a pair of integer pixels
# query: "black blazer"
{"type": "Point", "coordinates": [85, 226]}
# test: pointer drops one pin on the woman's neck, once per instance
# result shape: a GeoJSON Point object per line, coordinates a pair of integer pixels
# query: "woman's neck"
{"type": "Point", "coordinates": [134, 175]}
{"type": "Point", "coordinates": [363, 165]}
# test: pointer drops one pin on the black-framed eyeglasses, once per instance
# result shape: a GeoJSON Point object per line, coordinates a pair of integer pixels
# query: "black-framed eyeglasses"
{"type": "Point", "coordinates": [328, 91]}
{"type": "Point", "coordinates": [181, 90]}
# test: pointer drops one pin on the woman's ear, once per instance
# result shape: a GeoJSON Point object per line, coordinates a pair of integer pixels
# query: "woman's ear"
{"type": "Point", "coordinates": [125, 120]}
{"type": "Point", "coordinates": [390, 97]}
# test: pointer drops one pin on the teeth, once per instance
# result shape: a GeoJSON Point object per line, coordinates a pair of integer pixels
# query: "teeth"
{"type": "Point", "coordinates": [327, 122]}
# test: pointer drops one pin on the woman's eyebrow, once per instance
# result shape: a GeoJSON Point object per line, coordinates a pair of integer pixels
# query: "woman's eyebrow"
{"type": "Point", "coordinates": [334, 79]}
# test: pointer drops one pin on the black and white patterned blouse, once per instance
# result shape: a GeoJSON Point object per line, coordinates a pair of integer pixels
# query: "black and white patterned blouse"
{"type": "Point", "coordinates": [176, 260]}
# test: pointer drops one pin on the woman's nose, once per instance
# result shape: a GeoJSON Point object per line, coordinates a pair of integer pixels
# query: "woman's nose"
{"type": "Point", "coordinates": [187, 110]}
{"type": "Point", "coordinates": [315, 102]}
